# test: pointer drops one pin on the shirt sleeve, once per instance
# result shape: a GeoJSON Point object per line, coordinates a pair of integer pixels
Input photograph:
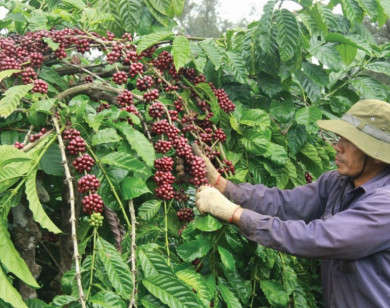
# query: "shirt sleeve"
{"type": "Point", "coordinates": [301, 203]}
{"type": "Point", "coordinates": [350, 234]}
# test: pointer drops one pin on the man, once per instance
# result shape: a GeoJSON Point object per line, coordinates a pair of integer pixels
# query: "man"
{"type": "Point", "coordinates": [343, 218]}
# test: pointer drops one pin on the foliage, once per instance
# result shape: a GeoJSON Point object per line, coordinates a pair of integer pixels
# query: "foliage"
{"type": "Point", "coordinates": [283, 73]}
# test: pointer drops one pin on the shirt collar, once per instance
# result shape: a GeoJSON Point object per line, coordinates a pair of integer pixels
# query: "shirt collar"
{"type": "Point", "coordinates": [380, 180]}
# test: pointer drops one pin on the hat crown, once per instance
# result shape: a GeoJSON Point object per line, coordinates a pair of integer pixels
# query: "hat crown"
{"type": "Point", "coordinates": [371, 112]}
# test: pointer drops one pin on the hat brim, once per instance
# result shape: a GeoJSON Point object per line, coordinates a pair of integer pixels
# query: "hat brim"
{"type": "Point", "coordinates": [373, 147]}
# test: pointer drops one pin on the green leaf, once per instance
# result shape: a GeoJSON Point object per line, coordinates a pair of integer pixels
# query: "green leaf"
{"type": "Point", "coordinates": [348, 53]}
{"type": "Point", "coordinates": [265, 27]}
{"type": "Point", "coordinates": [290, 279]}
{"type": "Point", "coordinates": [328, 56]}
{"type": "Point", "coordinates": [44, 106]}
{"type": "Point", "coordinates": [315, 73]}
{"type": "Point", "coordinates": [191, 250]}
{"type": "Point", "coordinates": [37, 20]}
{"type": "Point", "coordinates": [198, 56]}
{"type": "Point", "coordinates": [50, 75]}
{"type": "Point", "coordinates": [51, 161]}
{"type": "Point", "coordinates": [239, 285]}
{"type": "Point", "coordinates": [171, 291]}
{"type": "Point", "coordinates": [227, 258]}
{"type": "Point", "coordinates": [283, 111]}
{"type": "Point", "coordinates": [368, 87]}
{"type": "Point", "coordinates": [95, 120]}
{"type": "Point", "coordinates": [12, 172]}
{"type": "Point", "coordinates": [210, 96]}
{"type": "Point", "coordinates": [296, 136]}
{"type": "Point", "coordinates": [309, 156]}
{"type": "Point", "coordinates": [350, 40]}
{"type": "Point", "coordinates": [117, 270]}
{"type": "Point", "coordinates": [11, 99]}
{"type": "Point", "coordinates": [123, 160]}
{"type": "Point", "coordinates": [74, 4]}
{"type": "Point", "coordinates": [207, 223]}
{"type": "Point", "coordinates": [139, 143]}
{"type": "Point", "coordinates": [164, 7]}
{"type": "Point", "coordinates": [255, 142]}
{"type": "Point", "coordinates": [180, 51]}
{"type": "Point", "coordinates": [9, 153]}
{"type": "Point", "coordinates": [148, 209]}
{"type": "Point", "coordinates": [228, 295]}
{"type": "Point", "coordinates": [161, 18]}
{"type": "Point", "coordinates": [54, 46]}
{"type": "Point", "coordinates": [312, 89]}
{"type": "Point", "coordinates": [107, 135]}
{"type": "Point", "coordinates": [132, 187]}
{"type": "Point", "coordinates": [153, 263]}
{"type": "Point", "coordinates": [276, 153]}
{"type": "Point", "coordinates": [379, 67]}
{"type": "Point", "coordinates": [8, 293]}
{"type": "Point", "coordinates": [211, 50]}
{"type": "Point", "coordinates": [288, 34]}
{"type": "Point", "coordinates": [237, 65]}
{"type": "Point", "coordinates": [386, 6]}
{"type": "Point", "coordinates": [9, 138]}
{"type": "Point", "coordinates": [255, 117]}
{"type": "Point", "coordinates": [178, 6]}
{"type": "Point", "coordinates": [11, 259]}
{"type": "Point", "coordinates": [152, 39]}
{"type": "Point", "coordinates": [63, 300]}
{"type": "Point", "coordinates": [107, 299]}
{"type": "Point", "coordinates": [274, 292]}
{"type": "Point", "coordinates": [129, 14]}
{"type": "Point", "coordinates": [196, 282]}
{"type": "Point", "coordinates": [308, 115]}
{"type": "Point", "coordinates": [149, 301]}
{"type": "Point", "coordinates": [352, 11]}
{"type": "Point", "coordinates": [7, 73]}
{"type": "Point", "coordinates": [35, 205]}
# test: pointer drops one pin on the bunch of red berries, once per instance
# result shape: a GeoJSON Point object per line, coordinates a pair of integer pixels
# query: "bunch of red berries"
{"type": "Point", "coordinates": [37, 135]}
{"type": "Point", "coordinates": [164, 178]}
{"type": "Point", "coordinates": [185, 214]}
{"type": "Point", "coordinates": [308, 177]}
{"type": "Point", "coordinates": [83, 163]}
{"type": "Point", "coordinates": [40, 86]}
{"type": "Point", "coordinates": [89, 183]}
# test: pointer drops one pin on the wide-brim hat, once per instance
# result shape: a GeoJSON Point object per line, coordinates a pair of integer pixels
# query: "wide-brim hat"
{"type": "Point", "coordinates": [367, 125]}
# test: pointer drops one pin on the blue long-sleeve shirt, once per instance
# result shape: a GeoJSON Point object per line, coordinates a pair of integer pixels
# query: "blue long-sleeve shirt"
{"type": "Point", "coordinates": [347, 228]}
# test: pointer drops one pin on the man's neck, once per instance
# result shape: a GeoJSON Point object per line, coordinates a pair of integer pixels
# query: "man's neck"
{"type": "Point", "coordinates": [372, 169]}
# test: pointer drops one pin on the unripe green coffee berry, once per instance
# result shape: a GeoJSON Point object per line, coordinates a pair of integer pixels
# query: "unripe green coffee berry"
{"type": "Point", "coordinates": [96, 220]}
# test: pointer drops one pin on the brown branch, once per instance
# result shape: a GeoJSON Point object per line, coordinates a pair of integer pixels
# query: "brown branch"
{"type": "Point", "coordinates": [76, 254]}
{"type": "Point", "coordinates": [133, 257]}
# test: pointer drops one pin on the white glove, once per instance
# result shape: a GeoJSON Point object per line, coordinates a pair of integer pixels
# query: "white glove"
{"type": "Point", "coordinates": [212, 173]}
{"type": "Point", "coordinates": [210, 200]}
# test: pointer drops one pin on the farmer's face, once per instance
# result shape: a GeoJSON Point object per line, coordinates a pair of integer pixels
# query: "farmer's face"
{"type": "Point", "coordinates": [349, 159]}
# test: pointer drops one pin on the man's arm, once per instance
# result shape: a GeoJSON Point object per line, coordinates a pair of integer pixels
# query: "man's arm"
{"type": "Point", "coordinates": [351, 234]}
{"type": "Point", "coordinates": [301, 203]}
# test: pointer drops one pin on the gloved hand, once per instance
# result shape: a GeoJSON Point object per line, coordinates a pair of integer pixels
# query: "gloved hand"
{"type": "Point", "coordinates": [210, 200]}
{"type": "Point", "coordinates": [212, 173]}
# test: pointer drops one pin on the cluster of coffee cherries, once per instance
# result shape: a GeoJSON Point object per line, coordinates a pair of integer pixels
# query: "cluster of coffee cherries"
{"type": "Point", "coordinates": [96, 220]}
{"type": "Point", "coordinates": [89, 183]}
{"type": "Point", "coordinates": [185, 214]}
{"type": "Point", "coordinates": [308, 177]}
{"type": "Point", "coordinates": [32, 138]}
{"type": "Point", "coordinates": [38, 135]}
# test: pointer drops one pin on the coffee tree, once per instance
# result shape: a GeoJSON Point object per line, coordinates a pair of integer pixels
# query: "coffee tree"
{"type": "Point", "coordinates": [101, 102]}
